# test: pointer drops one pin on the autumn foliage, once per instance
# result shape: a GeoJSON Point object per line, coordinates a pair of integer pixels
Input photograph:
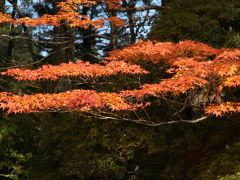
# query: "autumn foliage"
{"type": "Point", "coordinates": [68, 14]}
{"type": "Point", "coordinates": [75, 100]}
{"type": "Point", "coordinates": [194, 67]}
{"type": "Point", "coordinates": [71, 69]}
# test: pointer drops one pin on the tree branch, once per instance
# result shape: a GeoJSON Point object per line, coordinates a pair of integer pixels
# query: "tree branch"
{"type": "Point", "coordinates": [122, 9]}
{"type": "Point", "coordinates": [147, 122]}
{"type": "Point", "coordinates": [94, 36]}
{"type": "Point", "coordinates": [35, 41]}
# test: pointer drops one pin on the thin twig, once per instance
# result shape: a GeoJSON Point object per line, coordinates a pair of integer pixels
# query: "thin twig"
{"type": "Point", "coordinates": [147, 122]}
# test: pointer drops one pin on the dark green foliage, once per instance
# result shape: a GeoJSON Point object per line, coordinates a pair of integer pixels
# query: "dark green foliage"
{"type": "Point", "coordinates": [70, 146]}
{"type": "Point", "coordinates": [17, 142]}
{"type": "Point", "coordinates": [214, 22]}
{"type": "Point", "coordinates": [224, 165]}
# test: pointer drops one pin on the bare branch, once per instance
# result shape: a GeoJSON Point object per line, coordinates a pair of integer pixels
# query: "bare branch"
{"type": "Point", "coordinates": [55, 42]}
{"type": "Point", "coordinates": [35, 62]}
{"type": "Point", "coordinates": [147, 122]}
{"type": "Point", "coordinates": [94, 36]}
{"type": "Point", "coordinates": [5, 175]}
{"type": "Point", "coordinates": [36, 41]}
{"type": "Point", "coordinates": [122, 9]}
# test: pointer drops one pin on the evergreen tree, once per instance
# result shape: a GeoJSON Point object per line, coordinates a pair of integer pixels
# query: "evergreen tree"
{"type": "Point", "coordinates": [213, 22]}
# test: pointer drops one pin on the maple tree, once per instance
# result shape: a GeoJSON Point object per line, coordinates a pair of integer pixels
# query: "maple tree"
{"type": "Point", "coordinates": [189, 63]}
{"type": "Point", "coordinates": [48, 107]}
{"type": "Point", "coordinates": [69, 13]}
{"type": "Point", "coordinates": [194, 67]}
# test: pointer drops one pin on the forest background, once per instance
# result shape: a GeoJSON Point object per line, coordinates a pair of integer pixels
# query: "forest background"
{"type": "Point", "coordinates": [69, 145]}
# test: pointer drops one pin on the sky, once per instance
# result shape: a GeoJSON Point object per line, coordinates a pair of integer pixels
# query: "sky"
{"type": "Point", "coordinates": [138, 14]}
